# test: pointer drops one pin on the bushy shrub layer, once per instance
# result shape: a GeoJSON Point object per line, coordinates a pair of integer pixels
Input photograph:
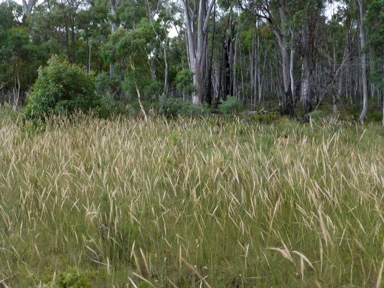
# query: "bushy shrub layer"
{"type": "Point", "coordinates": [61, 88]}
{"type": "Point", "coordinates": [171, 107]}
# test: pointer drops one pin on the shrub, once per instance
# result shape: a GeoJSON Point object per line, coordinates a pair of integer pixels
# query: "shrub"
{"type": "Point", "coordinates": [375, 115]}
{"type": "Point", "coordinates": [267, 118]}
{"type": "Point", "coordinates": [61, 88]}
{"type": "Point", "coordinates": [184, 82]}
{"type": "Point", "coordinates": [231, 105]}
{"type": "Point", "coordinates": [171, 107]}
{"type": "Point", "coordinates": [105, 84]}
{"type": "Point", "coordinates": [190, 109]}
{"type": "Point", "coordinates": [109, 107]}
{"type": "Point", "coordinates": [71, 278]}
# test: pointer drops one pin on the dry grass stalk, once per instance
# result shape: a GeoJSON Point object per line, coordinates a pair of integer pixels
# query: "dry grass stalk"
{"type": "Point", "coordinates": [380, 275]}
{"type": "Point", "coordinates": [196, 272]}
{"type": "Point", "coordinates": [302, 266]}
{"type": "Point", "coordinates": [173, 284]}
{"type": "Point", "coordinates": [324, 229]}
{"type": "Point", "coordinates": [143, 279]}
{"type": "Point", "coordinates": [284, 252]}
{"type": "Point", "coordinates": [150, 180]}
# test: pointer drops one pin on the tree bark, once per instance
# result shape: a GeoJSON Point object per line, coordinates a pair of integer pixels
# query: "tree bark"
{"type": "Point", "coordinates": [282, 34]}
{"type": "Point", "coordinates": [67, 41]}
{"type": "Point", "coordinates": [291, 66]}
{"type": "Point", "coordinates": [307, 68]}
{"type": "Point", "coordinates": [163, 43]}
{"type": "Point", "coordinates": [363, 63]}
{"type": "Point", "coordinates": [113, 6]}
{"type": "Point", "coordinates": [16, 95]}
{"type": "Point", "coordinates": [210, 63]}
{"type": "Point", "coordinates": [197, 43]}
{"type": "Point", "coordinates": [28, 6]}
{"type": "Point", "coordinates": [284, 44]}
{"type": "Point", "coordinates": [73, 39]}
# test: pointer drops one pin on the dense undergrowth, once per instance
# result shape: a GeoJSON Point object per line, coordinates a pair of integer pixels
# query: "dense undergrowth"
{"type": "Point", "coordinates": [191, 202]}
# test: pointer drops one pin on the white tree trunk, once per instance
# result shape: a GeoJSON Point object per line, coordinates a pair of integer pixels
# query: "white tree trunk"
{"type": "Point", "coordinates": [16, 92]}
{"type": "Point", "coordinates": [363, 63]}
{"type": "Point", "coordinates": [113, 6]}
{"type": "Point", "coordinates": [28, 6]}
{"type": "Point", "coordinates": [197, 43]}
{"type": "Point", "coordinates": [383, 112]}
{"type": "Point", "coordinates": [291, 74]}
{"type": "Point", "coordinates": [282, 36]}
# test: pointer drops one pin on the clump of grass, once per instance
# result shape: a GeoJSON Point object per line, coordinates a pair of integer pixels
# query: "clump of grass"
{"type": "Point", "coordinates": [192, 203]}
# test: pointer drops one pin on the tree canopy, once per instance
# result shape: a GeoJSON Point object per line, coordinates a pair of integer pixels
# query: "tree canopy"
{"type": "Point", "coordinates": [289, 56]}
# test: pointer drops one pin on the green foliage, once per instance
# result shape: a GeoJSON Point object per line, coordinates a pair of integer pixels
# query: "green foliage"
{"type": "Point", "coordinates": [267, 118]}
{"type": "Point", "coordinates": [10, 11]}
{"type": "Point", "coordinates": [131, 12]}
{"type": "Point", "coordinates": [304, 11]}
{"type": "Point", "coordinates": [106, 84]}
{"type": "Point", "coordinates": [375, 115]}
{"type": "Point", "coordinates": [61, 88]}
{"type": "Point", "coordinates": [375, 32]}
{"type": "Point", "coordinates": [71, 278]}
{"type": "Point", "coordinates": [132, 51]}
{"type": "Point", "coordinates": [109, 107]}
{"type": "Point", "coordinates": [6, 112]}
{"type": "Point", "coordinates": [18, 58]}
{"type": "Point", "coordinates": [354, 111]}
{"type": "Point", "coordinates": [315, 115]}
{"type": "Point", "coordinates": [231, 105]}
{"type": "Point", "coordinates": [184, 82]}
{"type": "Point", "coordinates": [138, 78]}
{"type": "Point", "coordinates": [171, 107]}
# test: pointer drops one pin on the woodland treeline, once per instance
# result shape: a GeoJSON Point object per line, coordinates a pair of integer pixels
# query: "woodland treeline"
{"type": "Point", "coordinates": [278, 55]}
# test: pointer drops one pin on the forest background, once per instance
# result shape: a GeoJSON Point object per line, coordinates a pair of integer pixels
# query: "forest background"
{"type": "Point", "coordinates": [284, 57]}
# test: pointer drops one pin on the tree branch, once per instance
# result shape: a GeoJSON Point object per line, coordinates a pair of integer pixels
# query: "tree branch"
{"type": "Point", "coordinates": [206, 20]}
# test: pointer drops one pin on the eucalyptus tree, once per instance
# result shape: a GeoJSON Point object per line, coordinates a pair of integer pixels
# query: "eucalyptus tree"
{"type": "Point", "coordinates": [353, 17]}
{"type": "Point", "coordinates": [307, 16]}
{"type": "Point", "coordinates": [343, 53]}
{"type": "Point", "coordinates": [161, 16]}
{"type": "Point", "coordinates": [275, 13]}
{"type": "Point", "coordinates": [68, 10]}
{"type": "Point", "coordinates": [10, 12]}
{"type": "Point", "coordinates": [28, 6]}
{"type": "Point", "coordinates": [248, 45]}
{"type": "Point", "coordinates": [125, 14]}
{"type": "Point", "coordinates": [375, 41]}
{"type": "Point", "coordinates": [16, 51]}
{"type": "Point", "coordinates": [196, 19]}
{"type": "Point", "coordinates": [227, 60]}
{"type": "Point", "coordinates": [113, 5]}
{"type": "Point", "coordinates": [363, 58]}
{"type": "Point", "coordinates": [16, 57]}
{"type": "Point", "coordinates": [335, 53]}
{"type": "Point", "coordinates": [55, 21]}
{"type": "Point", "coordinates": [130, 51]}
{"type": "Point", "coordinates": [93, 29]}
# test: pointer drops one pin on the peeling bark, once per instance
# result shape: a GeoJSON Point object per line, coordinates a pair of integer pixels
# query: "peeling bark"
{"type": "Point", "coordinates": [197, 43]}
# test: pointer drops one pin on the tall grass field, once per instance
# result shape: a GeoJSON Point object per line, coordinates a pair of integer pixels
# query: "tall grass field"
{"type": "Point", "coordinates": [191, 203]}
